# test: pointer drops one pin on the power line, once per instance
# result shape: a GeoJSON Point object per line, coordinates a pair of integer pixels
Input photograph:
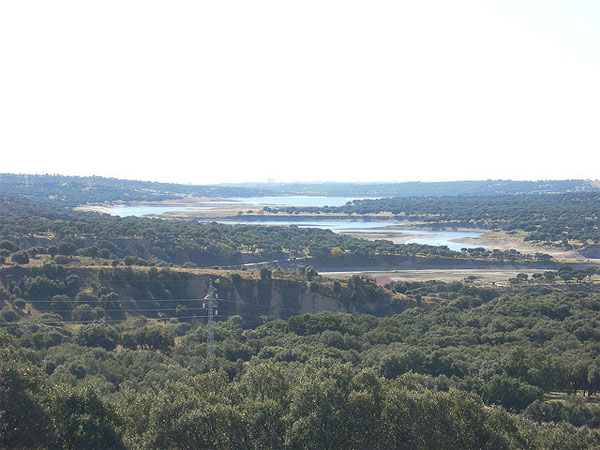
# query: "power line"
{"type": "Point", "coordinates": [122, 310]}
{"type": "Point", "coordinates": [175, 300]}
{"type": "Point", "coordinates": [122, 300]}
{"type": "Point", "coordinates": [96, 321]}
{"type": "Point", "coordinates": [225, 315]}
{"type": "Point", "coordinates": [179, 280]}
{"type": "Point", "coordinates": [101, 321]}
{"type": "Point", "coordinates": [211, 296]}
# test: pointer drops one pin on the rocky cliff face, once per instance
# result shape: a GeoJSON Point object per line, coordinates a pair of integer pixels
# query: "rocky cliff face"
{"type": "Point", "coordinates": [281, 298]}
{"type": "Point", "coordinates": [152, 293]}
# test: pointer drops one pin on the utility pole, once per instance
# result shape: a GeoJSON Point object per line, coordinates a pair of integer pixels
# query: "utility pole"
{"type": "Point", "coordinates": [211, 296]}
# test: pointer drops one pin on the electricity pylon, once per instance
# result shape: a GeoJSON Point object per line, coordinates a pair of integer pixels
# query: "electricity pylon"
{"type": "Point", "coordinates": [210, 298]}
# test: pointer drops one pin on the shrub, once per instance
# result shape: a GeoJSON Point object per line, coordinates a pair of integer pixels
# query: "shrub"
{"type": "Point", "coordinates": [66, 248]}
{"type": "Point", "coordinates": [7, 245]}
{"type": "Point", "coordinates": [20, 303]}
{"type": "Point", "coordinates": [97, 335]}
{"type": "Point", "coordinates": [21, 257]}
{"type": "Point", "coordinates": [265, 274]}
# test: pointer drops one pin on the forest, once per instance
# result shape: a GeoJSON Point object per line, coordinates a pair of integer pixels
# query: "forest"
{"type": "Point", "coordinates": [426, 189]}
{"type": "Point", "coordinates": [75, 191]}
{"type": "Point", "coordinates": [273, 273]}
{"type": "Point", "coordinates": [461, 366]}
{"type": "Point", "coordinates": [36, 227]}
{"type": "Point", "coordinates": [553, 219]}
{"type": "Point", "coordinates": [103, 332]}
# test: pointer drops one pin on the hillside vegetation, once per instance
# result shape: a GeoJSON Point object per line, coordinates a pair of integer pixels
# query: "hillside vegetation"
{"type": "Point", "coordinates": [553, 219]}
{"type": "Point", "coordinates": [103, 334]}
{"type": "Point", "coordinates": [75, 191]}
{"type": "Point", "coordinates": [37, 228]}
{"type": "Point", "coordinates": [427, 189]}
{"type": "Point", "coordinates": [462, 366]}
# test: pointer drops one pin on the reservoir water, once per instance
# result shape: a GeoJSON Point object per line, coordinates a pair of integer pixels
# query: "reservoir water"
{"type": "Point", "coordinates": [425, 237]}
{"type": "Point", "coordinates": [144, 210]}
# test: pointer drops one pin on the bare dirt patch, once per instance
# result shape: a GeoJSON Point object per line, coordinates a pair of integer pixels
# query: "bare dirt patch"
{"type": "Point", "coordinates": [481, 275]}
{"type": "Point", "coordinates": [504, 241]}
{"type": "Point", "coordinates": [396, 238]}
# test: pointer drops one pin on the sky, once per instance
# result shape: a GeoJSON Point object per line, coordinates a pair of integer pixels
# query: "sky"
{"type": "Point", "coordinates": [230, 91]}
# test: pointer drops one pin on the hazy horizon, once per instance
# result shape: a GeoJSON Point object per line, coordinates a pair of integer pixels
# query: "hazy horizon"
{"type": "Point", "coordinates": [272, 181]}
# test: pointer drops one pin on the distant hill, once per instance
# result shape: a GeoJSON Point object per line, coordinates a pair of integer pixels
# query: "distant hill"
{"type": "Point", "coordinates": [74, 191]}
{"type": "Point", "coordinates": [428, 189]}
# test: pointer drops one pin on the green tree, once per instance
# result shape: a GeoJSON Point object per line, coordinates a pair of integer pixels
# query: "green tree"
{"type": "Point", "coordinates": [511, 393]}
{"type": "Point", "coordinates": [21, 257]}
{"type": "Point", "coordinates": [83, 420]}
{"type": "Point", "coordinates": [265, 274]}
{"type": "Point", "coordinates": [334, 408]}
{"type": "Point", "coordinates": [66, 248]}
{"type": "Point", "coordinates": [97, 335]}
{"type": "Point", "coordinates": [24, 422]}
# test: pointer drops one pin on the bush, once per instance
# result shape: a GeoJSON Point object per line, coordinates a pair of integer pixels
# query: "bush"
{"type": "Point", "coordinates": [83, 420]}
{"type": "Point", "coordinates": [21, 257]}
{"type": "Point", "coordinates": [97, 335]}
{"type": "Point", "coordinates": [7, 245]}
{"type": "Point", "coordinates": [236, 279]}
{"type": "Point", "coordinates": [60, 259]}
{"type": "Point", "coordinates": [85, 313]}
{"type": "Point", "coordinates": [20, 303]}
{"type": "Point", "coordinates": [9, 316]}
{"type": "Point", "coordinates": [265, 274]}
{"type": "Point", "coordinates": [86, 296]}
{"type": "Point", "coordinates": [337, 287]}
{"type": "Point", "coordinates": [66, 248]}
{"type": "Point", "coordinates": [511, 393]}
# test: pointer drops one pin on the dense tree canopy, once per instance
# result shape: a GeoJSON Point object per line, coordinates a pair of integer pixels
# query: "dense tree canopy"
{"type": "Point", "coordinates": [52, 230]}
{"type": "Point", "coordinates": [102, 346]}
{"type": "Point", "coordinates": [548, 218]}
{"type": "Point", "coordinates": [75, 191]}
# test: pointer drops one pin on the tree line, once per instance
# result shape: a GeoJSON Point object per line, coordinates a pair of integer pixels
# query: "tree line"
{"type": "Point", "coordinates": [76, 191]}
{"type": "Point", "coordinates": [559, 219]}
{"type": "Point", "coordinates": [468, 365]}
{"type": "Point", "coordinates": [44, 229]}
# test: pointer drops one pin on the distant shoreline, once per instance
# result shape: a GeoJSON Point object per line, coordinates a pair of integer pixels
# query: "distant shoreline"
{"type": "Point", "coordinates": [224, 210]}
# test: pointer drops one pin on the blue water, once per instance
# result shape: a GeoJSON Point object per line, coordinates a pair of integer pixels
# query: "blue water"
{"type": "Point", "coordinates": [438, 238]}
{"type": "Point", "coordinates": [333, 225]}
{"type": "Point", "coordinates": [446, 238]}
{"type": "Point", "coordinates": [427, 237]}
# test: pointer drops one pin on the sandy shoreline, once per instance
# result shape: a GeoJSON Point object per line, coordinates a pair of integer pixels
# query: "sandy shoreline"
{"type": "Point", "coordinates": [221, 209]}
{"type": "Point", "coordinates": [396, 238]}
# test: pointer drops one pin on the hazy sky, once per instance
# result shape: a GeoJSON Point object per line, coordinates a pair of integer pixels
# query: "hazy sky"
{"type": "Point", "coordinates": [214, 91]}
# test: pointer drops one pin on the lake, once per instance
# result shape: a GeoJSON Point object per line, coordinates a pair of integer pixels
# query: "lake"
{"type": "Point", "coordinates": [144, 210]}
{"type": "Point", "coordinates": [426, 237]}
{"type": "Point", "coordinates": [337, 226]}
